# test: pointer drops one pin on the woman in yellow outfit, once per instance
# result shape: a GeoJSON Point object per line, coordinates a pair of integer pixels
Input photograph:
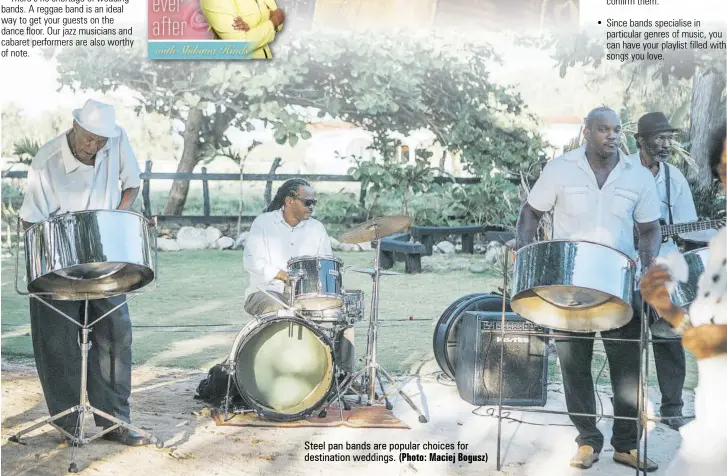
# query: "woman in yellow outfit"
{"type": "Point", "coordinates": [255, 21]}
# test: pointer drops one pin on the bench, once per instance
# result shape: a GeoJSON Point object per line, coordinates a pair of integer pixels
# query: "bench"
{"type": "Point", "coordinates": [398, 246]}
{"type": "Point", "coordinates": [428, 235]}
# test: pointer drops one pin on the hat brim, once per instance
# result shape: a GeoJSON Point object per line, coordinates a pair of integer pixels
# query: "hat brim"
{"type": "Point", "coordinates": [113, 131]}
{"type": "Point", "coordinates": [666, 129]}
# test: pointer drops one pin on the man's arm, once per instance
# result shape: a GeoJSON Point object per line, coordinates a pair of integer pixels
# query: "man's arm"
{"type": "Point", "coordinates": [128, 197]}
{"type": "Point", "coordinates": [527, 225]}
{"type": "Point", "coordinates": [649, 242]}
{"type": "Point", "coordinates": [255, 256]}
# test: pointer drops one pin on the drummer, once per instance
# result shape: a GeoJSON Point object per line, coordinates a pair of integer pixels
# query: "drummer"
{"type": "Point", "coordinates": [596, 194]}
{"type": "Point", "coordinates": [81, 170]}
{"type": "Point", "coordinates": [655, 137]}
{"type": "Point", "coordinates": [286, 230]}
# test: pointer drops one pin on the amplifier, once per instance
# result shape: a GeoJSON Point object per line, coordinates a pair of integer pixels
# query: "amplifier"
{"type": "Point", "coordinates": [524, 361]}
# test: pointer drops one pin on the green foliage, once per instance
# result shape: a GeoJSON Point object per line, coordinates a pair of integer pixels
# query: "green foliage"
{"type": "Point", "coordinates": [338, 208]}
{"type": "Point", "coordinates": [380, 83]}
{"type": "Point", "coordinates": [25, 149]}
{"type": "Point", "coordinates": [709, 201]}
{"type": "Point", "coordinates": [494, 201]}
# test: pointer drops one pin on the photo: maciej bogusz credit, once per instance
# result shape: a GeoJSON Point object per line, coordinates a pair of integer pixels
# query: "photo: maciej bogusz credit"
{"type": "Point", "coordinates": [412, 237]}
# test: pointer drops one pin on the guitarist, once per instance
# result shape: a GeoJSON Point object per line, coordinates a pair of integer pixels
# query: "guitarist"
{"type": "Point", "coordinates": [654, 141]}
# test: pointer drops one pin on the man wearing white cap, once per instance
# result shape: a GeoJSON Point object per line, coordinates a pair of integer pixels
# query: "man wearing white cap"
{"type": "Point", "coordinates": [81, 170]}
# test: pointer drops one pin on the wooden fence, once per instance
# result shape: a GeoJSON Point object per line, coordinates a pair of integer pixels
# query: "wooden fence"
{"type": "Point", "coordinates": [207, 218]}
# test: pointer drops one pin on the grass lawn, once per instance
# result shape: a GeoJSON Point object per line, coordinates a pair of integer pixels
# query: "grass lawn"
{"type": "Point", "coordinates": [206, 288]}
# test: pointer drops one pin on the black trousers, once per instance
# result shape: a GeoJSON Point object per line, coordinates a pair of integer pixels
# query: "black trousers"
{"type": "Point", "coordinates": [58, 357]}
{"type": "Point", "coordinates": [671, 370]}
{"type": "Point", "coordinates": [623, 360]}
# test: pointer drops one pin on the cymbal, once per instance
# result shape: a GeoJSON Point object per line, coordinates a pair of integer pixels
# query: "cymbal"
{"type": "Point", "coordinates": [376, 228]}
{"type": "Point", "coordinates": [370, 271]}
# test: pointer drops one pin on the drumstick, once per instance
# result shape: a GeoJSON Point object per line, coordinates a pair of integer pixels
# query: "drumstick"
{"type": "Point", "coordinates": [286, 306]}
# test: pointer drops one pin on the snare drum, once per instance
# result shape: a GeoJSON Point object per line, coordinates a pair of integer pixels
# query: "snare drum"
{"type": "Point", "coordinates": [350, 313]}
{"type": "Point", "coordinates": [319, 287]}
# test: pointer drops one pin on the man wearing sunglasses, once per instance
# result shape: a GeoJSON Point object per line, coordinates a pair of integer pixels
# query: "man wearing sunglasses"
{"type": "Point", "coordinates": [285, 231]}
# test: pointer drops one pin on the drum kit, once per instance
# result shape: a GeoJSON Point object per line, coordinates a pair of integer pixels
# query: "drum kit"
{"type": "Point", "coordinates": [288, 364]}
{"type": "Point", "coordinates": [81, 256]}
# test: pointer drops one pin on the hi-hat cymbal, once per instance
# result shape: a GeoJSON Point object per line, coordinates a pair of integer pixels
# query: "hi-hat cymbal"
{"type": "Point", "coordinates": [376, 228]}
{"type": "Point", "coordinates": [370, 271]}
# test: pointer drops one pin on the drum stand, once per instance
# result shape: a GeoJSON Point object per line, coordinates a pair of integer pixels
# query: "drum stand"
{"type": "Point", "coordinates": [642, 417]}
{"type": "Point", "coordinates": [79, 439]}
{"type": "Point", "coordinates": [369, 372]}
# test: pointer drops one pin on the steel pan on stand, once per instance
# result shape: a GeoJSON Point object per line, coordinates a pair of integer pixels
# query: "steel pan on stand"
{"type": "Point", "coordinates": [89, 254]}
{"type": "Point", "coordinates": [575, 286]}
{"type": "Point", "coordinates": [82, 256]}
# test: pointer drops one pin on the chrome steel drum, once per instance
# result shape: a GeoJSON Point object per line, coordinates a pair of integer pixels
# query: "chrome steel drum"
{"type": "Point", "coordinates": [99, 253]}
{"type": "Point", "coordinates": [284, 367]}
{"type": "Point", "coordinates": [320, 284]}
{"type": "Point", "coordinates": [574, 286]}
{"type": "Point", "coordinates": [351, 312]}
{"type": "Point", "coordinates": [684, 293]}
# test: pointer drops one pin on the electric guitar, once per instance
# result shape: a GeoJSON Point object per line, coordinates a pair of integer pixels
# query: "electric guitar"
{"type": "Point", "coordinates": [670, 231]}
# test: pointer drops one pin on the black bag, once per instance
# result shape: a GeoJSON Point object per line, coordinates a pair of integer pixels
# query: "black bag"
{"type": "Point", "coordinates": [214, 388]}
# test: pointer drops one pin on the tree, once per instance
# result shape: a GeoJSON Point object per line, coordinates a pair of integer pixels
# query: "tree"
{"type": "Point", "coordinates": [382, 84]}
{"type": "Point", "coordinates": [706, 71]}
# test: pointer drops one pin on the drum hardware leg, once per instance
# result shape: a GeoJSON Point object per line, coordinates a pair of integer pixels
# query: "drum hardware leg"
{"type": "Point", "coordinates": [407, 399]}
{"type": "Point", "coordinates": [83, 408]}
{"type": "Point", "coordinates": [389, 406]}
{"type": "Point", "coordinates": [227, 395]}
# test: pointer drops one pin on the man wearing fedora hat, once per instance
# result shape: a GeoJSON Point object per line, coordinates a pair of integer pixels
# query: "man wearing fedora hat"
{"type": "Point", "coordinates": [81, 170]}
{"type": "Point", "coordinates": [654, 138]}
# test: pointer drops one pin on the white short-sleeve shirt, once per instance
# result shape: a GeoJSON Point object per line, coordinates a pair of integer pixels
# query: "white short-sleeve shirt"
{"type": "Point", "coordinates": [60, 183]}
{"type": "Point", "coordinates": [681, 201]}
{"type": "Point", "coordinates": [581, 211]}
{"type": "Point", "coordinates": [272, 243]}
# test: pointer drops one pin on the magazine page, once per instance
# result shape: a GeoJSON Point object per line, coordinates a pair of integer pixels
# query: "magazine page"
{"type": "Point", "coordinates": [363, 237]}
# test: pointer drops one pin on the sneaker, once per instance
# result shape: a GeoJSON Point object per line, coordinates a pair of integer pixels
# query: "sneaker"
{"type": "Point", "coordinates": [584, 457]}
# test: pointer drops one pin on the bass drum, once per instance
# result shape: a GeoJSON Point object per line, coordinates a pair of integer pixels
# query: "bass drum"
{"type": "Point", "coordinates": [284, 367]}
{"type": "Point", "coordinates": [445, 332]}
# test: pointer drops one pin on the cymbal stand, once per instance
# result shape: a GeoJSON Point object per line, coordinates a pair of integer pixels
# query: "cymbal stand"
{"type": "Point", "coordinates": [78, 439]}
{"type": "Point", "coordinates": [369, 371]}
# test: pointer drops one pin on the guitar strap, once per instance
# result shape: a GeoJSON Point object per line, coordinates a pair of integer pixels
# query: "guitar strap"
{"type": "Point", "coordinates": [668, 193]}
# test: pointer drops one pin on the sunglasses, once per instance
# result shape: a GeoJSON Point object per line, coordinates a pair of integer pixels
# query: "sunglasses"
{"type": "Point", "coordinates": [308, 202]}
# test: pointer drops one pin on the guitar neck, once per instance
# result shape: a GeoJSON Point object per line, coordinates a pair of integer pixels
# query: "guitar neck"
{"type": "Point", "coordinates": [672, 230]}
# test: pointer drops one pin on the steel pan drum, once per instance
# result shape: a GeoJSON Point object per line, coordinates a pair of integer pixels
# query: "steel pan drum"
{"type": "Point", "coordinates": [574, 286]}
{"type": "Point", "coordinates": [99, 253]}
{"type": "Point", "coordinates": [684, 293]}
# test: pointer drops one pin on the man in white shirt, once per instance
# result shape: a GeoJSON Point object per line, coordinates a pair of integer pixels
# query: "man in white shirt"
{"type": "Point", "coordinates": [81, 170]}
{"type": "Point", "coordinates": [285, 231]}
{"type": "Point", "coordinates": [596, 194]}
{"type": "Point", "coordinates": [654, 141]}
